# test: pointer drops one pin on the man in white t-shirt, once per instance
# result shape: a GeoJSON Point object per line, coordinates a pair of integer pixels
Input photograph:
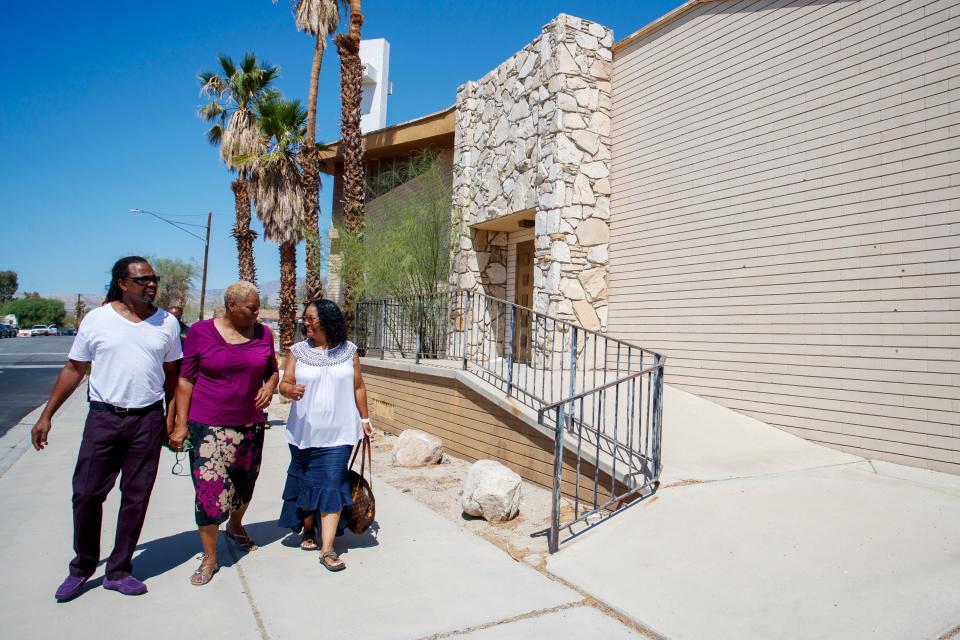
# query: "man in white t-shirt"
{"type": "Point", "coordinates": [135, 351]}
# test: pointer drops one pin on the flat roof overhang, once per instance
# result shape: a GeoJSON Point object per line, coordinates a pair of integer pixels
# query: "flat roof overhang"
{"type": "Point", "coordinates": [435, 129]}
{"type": "Point", "coordinates": [510, 222]}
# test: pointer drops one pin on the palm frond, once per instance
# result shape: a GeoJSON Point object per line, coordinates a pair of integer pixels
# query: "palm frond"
{"type": "Point", "coordinates": [282, 121]}
{"type": "Point", "coordinates": [211, 84]}
{"type": "Point", "coordinates": [241, 137]}
{"type": "Point", "coordinates": [211, 111]}
{"type": "Point", "coordinates": [245, 159]}
{"type": "Point", "coordinates": [270, 73]}
{"type": "Point", "coordinates": [215, 134]}
{"type": "Point", "coordinates": [249, 62]}
{"type": "Point", "coordinates": [279, 197]}
{"type": "Point", "coordinates": [316, 17]}
{"type": "Point", "coordinates": [226, 63]}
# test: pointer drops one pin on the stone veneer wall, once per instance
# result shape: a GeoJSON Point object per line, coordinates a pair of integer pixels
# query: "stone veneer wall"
{"type": "Point", "coordinates": [534, 133]}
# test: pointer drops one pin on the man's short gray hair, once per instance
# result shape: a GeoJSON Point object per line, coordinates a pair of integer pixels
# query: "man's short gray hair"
{"type": "Point", "coordinates": [239, 291]}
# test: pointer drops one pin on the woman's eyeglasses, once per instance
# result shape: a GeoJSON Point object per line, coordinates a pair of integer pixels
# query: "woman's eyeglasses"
{"type": "Point", "coordinates": [142, 280]}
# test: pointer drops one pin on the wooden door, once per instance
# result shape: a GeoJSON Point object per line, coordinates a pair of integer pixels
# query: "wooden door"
{"type": "Point", "coordinates": [523, 296]}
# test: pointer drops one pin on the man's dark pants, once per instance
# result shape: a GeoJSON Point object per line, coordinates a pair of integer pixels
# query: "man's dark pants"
{"type": "Point", "coordinates": [114, 444]}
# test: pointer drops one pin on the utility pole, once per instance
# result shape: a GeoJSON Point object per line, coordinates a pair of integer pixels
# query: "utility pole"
{"type": "Point", "coordinates": [206, 245]}
{"type": "Point", "coordinates": [206, 253]}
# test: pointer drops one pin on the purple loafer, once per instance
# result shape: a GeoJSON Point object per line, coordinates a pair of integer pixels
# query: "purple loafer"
{"type": "Point", "coordinates": [127, 585]}
{"type": "Point", "coordinates": [71, 588]}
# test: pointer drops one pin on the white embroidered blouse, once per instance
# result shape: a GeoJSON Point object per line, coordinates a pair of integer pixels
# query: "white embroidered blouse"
{"type": "Point", "coordinates": [326, 415]}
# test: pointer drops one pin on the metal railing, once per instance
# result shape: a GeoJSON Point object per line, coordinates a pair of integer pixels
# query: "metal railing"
{"type": "Point", "coordinates": [601, 397]}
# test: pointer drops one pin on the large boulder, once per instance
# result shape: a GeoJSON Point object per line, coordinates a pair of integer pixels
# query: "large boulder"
{"type": "Point", "coordinates": [491, 491]}
{"type": "Point", "coordinates": [415, 448]}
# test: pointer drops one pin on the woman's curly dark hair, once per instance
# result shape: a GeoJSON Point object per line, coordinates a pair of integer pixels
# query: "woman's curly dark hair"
{"type": "Point", "coordinates": [331, 321]}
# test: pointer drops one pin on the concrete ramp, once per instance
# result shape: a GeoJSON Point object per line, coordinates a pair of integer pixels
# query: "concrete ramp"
{"type": "Point", "coordinates": [705, 441]}
{"type": "Point", "coordinates": [756, 533]}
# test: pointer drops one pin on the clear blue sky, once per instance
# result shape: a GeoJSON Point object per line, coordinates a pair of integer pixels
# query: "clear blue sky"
{"type": "Point", "coordinates": [97, 114]}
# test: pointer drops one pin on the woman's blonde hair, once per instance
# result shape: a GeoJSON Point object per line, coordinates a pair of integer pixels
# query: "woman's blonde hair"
{"type": "Point", "coordinates": [239, 291]}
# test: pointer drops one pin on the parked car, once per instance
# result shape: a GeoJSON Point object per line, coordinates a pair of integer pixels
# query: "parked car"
{"type": "Point", "coordinates": [38, 330]}
{"type": "Point", "coordinates": [52, 331]}
{"type": "Point", "coordinates": [8, 331]}
{"type": "Point", "coordinates": [68, 331]}
{"type": "Point", "coordinates": [23, 333]}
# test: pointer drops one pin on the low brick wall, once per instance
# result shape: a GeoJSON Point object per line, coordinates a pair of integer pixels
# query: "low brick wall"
{"type": "Point", "coordinates": [471, 426]}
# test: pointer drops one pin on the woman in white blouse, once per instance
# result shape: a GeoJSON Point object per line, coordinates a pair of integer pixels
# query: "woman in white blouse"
{"type": "Point", "coordinates": [328, 417]}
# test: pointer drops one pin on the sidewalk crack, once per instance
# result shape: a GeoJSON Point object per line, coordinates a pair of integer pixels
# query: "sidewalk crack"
{"type": "Point", "coordinates": [536, 613]}
{"type": "Point", "coordinates": [247, 592]}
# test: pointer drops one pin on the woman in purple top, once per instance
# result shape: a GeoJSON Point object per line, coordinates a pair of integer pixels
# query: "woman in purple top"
{"type": "Point", "coordinates": [227, 378]}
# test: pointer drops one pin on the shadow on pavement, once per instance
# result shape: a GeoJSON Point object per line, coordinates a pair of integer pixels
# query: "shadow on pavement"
{"type": "Point", "coordinates": [163, 554]}
{"type": "Point", "coordinates": [344, 541]}
{"type": "Point", "coordinates": [350, 540]}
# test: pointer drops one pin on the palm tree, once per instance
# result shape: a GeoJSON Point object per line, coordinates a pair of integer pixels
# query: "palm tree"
{"type": "Point", "coordinates": [279, 194]}
{"type": "Point", "coordinates": [319, 18]}
{"type": "Point", "coordinates": [351, 80]}
{"type": "Point", "coordinates": [233, 92]}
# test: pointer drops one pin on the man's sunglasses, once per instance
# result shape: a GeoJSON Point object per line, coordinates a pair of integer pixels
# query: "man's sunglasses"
{"type": "Point", "coordinates": [142, 280]}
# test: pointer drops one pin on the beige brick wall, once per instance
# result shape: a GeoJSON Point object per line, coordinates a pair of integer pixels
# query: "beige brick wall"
{"type": "Point", "coordinates": [785, 224]}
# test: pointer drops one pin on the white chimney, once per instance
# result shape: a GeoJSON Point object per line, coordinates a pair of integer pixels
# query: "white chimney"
{"type": "Point", "coordinates": [375, 56]}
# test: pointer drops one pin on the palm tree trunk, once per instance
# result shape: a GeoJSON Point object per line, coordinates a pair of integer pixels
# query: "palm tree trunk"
{"type": "Point", "coordinates": [310, 161]}
{"type": "Point", "coordinates": [356, 20]}
{"type": "Point", "coordinates": [288, 294]}
{"type": "Point", "coordinates": [242, 232]}
{"type": "Point", "coordinates": [351, 79]}
{"type": "Point", "coordinates": [318, 50]}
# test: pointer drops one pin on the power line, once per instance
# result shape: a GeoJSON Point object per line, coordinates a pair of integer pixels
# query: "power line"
{"type": "Point", "coordinates": [172, 223]}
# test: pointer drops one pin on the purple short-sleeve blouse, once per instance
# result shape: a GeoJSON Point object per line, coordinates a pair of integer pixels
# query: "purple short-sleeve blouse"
{"type": "Point", "coordinates": [226, 376]}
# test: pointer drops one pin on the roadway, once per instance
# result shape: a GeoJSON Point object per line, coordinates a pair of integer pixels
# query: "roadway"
{"type": "Point", "coordinates": [28, 369]}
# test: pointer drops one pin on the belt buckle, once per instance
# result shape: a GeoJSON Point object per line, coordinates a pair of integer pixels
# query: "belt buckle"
{"type": "Point", "coordinates": [121, 409]}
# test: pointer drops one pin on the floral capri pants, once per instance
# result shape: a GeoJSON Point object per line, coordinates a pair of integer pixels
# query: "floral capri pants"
{"type": "Point", "coordinates": [224, 465]}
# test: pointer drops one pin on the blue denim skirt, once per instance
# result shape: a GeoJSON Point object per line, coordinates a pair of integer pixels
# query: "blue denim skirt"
{"type": "Point", "coordinates": [316, 483]}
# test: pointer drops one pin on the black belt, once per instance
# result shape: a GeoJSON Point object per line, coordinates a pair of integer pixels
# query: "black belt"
{"type": "Point", "coordinates": [123, 411]}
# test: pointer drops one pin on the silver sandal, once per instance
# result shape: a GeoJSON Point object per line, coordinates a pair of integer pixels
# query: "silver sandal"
{"type": "Point", "coordinates": [204, 573]}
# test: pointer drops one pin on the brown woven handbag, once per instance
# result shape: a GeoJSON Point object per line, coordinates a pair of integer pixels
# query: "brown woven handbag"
{"type": "Point", "coordinates": [361, 490]}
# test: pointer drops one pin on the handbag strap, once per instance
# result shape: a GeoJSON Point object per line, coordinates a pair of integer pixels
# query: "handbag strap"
{"type": "Point", "coordinates": [366, 454]}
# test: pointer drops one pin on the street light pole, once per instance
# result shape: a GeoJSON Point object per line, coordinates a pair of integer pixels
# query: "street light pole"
{"type": "Point", "coordinates": [206, 252]}
{"type": "Point", "coordinates": [206, 246]}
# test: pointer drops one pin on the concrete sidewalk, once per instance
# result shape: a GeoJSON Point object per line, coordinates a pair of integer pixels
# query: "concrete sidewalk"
{"type": "Point", "coordinates": [754, 534]}
{"type": "Point", "coordinates": [759, 534]}
{"type": "Point", "coordinates": [416, 576]}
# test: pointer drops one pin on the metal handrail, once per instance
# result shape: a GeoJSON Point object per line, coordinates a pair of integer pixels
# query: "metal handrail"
{"type": "Point", "coordinates": [600, 388]}
{"type": "Point", "coordinates": [545, 329]}
{"type": "Point", "coordinates": [609, 428]}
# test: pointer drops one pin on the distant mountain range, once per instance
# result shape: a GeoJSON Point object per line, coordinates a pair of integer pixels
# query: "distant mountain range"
{"type": "Point", "coordinates": [214, 296]}
{"type": "Point", "coordinates": [269, 289]}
